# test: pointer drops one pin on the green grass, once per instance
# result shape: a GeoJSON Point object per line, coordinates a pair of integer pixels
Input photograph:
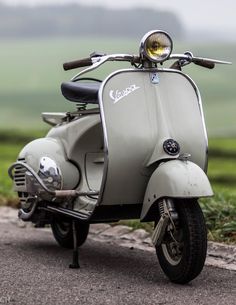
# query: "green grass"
{"type": "Point", "coordinates": [20, 136]}
{"type": "Point", "coordinates": [222, 165]}
{"type": "Point", "coordinates": [220, 211]}
{"type": "Point", "coordinates": [11, 142]}
{"type": "Point", "coordinates": [220, 215]}
{"type": "Point", "coordinates": [8, 153]}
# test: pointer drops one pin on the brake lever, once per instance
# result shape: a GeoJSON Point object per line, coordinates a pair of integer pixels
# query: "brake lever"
{"type": "Point", "coordinates": [97, 54]}
{"type": "Point", "coordinates": [97, 61]}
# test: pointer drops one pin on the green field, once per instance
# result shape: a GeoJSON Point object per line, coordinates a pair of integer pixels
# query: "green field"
{"type": "Point", "coordinates": [31, 74]}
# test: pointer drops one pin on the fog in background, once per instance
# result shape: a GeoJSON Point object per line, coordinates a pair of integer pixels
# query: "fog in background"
{"type": "Point", "coordinates": [85, 21]}
{"type": "Point", "coordinates": [200, 20]}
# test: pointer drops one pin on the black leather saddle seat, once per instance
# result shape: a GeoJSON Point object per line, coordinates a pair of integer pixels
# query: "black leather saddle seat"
{"type": "Point", "coordinates": [81, 92]}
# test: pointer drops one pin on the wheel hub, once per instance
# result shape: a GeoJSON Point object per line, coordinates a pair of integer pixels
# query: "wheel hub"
{"type": "Point", "coordinates": [173, 245]}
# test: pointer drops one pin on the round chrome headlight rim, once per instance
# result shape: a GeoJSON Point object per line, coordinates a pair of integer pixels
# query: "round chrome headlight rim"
{"type": "Point", "coordinates": [156, 46]}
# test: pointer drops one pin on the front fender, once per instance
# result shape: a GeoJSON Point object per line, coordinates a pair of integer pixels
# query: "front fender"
{"type": "Point", "coordinates": [176, 179]}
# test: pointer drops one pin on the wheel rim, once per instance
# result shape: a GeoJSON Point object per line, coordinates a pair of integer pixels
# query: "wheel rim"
{"type": "Point", "coordinates": [63, 228]}
{"type": "Point", "coordinates": [173, 246]}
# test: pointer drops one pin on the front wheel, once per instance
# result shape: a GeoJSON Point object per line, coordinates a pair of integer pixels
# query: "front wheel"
{"type": "Point", "coordinates": [63, 232]}
{"type": "Point", "coordinates": [182, 252]}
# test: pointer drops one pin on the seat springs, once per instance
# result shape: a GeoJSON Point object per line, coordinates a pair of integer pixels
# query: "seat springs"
{"type": "Point", "coordinates": [81, 106]}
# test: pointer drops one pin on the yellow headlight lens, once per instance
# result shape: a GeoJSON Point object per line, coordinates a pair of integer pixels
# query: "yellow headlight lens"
{"type": "Point", "coordinates": [156, 46]}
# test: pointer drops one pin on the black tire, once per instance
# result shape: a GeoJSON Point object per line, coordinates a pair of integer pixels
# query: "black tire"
{"type": "Point", "coordinates": [183, 264]}
{"type": "Point", "coordinates": [63, 233]}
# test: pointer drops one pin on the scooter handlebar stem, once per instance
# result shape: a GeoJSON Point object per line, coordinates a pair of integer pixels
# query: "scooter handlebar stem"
{"type": "Point", "coordinates": [99, 60]}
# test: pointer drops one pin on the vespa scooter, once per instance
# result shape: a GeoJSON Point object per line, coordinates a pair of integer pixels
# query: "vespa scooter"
{"type": "Point", "coordinates": [134, 148]}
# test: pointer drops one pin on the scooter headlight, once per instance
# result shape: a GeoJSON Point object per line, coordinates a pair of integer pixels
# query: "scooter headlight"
{"type": "Point", "coordinates": [156, 46]}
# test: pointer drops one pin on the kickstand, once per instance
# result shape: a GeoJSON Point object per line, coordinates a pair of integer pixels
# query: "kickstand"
{"type": "Point", "coordinates": [75, 262]}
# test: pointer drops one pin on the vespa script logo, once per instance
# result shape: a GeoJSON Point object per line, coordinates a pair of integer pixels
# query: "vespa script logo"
{"type": "Point", "coordinates": [117, 95]}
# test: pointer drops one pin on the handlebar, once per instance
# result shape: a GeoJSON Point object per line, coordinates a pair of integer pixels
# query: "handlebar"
{"type": "Point", "coordinates": [77, 64]}
{"type": "Point", "coordinates": [188, 57]}
{"type": "Point", "coordinates": [98, 60]}
{"type": "Point", "coordinates": [204, 63]}
{"type": "Point", "coordinates": [94, 62]}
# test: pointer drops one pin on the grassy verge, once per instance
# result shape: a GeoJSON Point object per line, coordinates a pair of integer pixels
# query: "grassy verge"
{"type": "Point", "coordinates": [220, 215]}
{"type": "Point", "coordinates": [11, 142]}
{"type": "Point", "coordinates": [8, 153]}
{"type": "Point", "coordinates": [219, 211]}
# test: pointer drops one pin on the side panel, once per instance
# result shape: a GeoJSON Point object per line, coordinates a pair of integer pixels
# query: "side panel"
{"type": "Point", "coordinates": [176, 179]}
{"type": "Point", "coordinates": [51, 148]}
{"type": "Point", "coordinates": [80, 138]}
{"type": "Point", "coordinates": [138, 115]}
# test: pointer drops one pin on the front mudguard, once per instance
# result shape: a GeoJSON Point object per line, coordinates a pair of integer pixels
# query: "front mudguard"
{"type": "Point", "coordinates": [176, 179]}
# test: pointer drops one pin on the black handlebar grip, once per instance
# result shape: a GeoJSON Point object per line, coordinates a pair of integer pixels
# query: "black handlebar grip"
{"type": "Point", "coordinates": [204, 63]}
{"type": "Point", "coordinates": [77, 64]}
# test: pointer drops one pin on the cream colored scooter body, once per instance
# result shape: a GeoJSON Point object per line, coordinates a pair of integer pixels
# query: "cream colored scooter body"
{"type": "Point", "coordinates": [140, 153]}
{"type": "Point", "coordinates": [120, 152]}
{"type": "Point", "coordinates": [140, 110]}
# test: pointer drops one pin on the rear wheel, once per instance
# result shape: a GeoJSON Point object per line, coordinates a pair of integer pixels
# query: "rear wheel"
{"type": "Point", "coordinates": [182, 252]}
{"type": "Point", "coordinates": [63, 232]}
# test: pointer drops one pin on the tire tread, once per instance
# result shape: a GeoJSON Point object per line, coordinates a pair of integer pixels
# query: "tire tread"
{"type": "Point", "coordinates": [194, 254]}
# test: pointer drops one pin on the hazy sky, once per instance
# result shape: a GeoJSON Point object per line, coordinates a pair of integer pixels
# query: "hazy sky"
{"type": "Point", "coordinates": [198, 14]}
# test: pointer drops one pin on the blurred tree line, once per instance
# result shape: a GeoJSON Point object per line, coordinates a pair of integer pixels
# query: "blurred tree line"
{"type": "Point", "coordinates": [74, 20]}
